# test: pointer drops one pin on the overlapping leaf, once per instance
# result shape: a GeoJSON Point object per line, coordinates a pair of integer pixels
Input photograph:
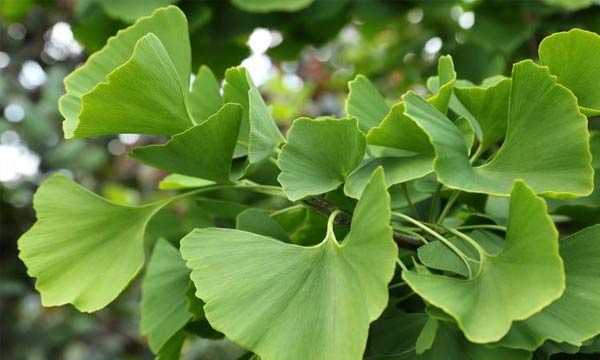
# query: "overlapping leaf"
{"type": "Point", "coordinates": [261, 6]}
{"type": "Point", "coordinates": [259, 135]}
{"type": "Point", "coordinates": [286, 301]}
{"type": "Point", "coordinates": [137, 83]}
{"type": "Point", "coordinates": [407, 152]}
{"type": "Point", "coordinates": [574, 57]}
{"type": "Point", "coordinates": [83, 249]}
{"type": "Point", "coordinates": [204, 151]}
{"type": "Point", "coordinates": [556, 163]}
{"type": "Point", "coordinates": [319, 155]}
{"type": "Point", "coordinates": [575, 317]}
{"type": "Point", "coordinates": [365, 103]}
{"type": "Point", "coordinates": [164, 302]}
{"type": "Point", "coordinates": [513, 285]}
{"type": "Point", "coordinates": [205, 95]}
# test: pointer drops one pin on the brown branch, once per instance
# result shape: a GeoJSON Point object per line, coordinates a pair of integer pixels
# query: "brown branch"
{"type": "Point", "coordinates": [326, 208]}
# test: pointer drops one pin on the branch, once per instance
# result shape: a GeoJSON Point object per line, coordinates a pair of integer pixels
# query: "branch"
{"type": "Point", "coordinates": [326, 208]}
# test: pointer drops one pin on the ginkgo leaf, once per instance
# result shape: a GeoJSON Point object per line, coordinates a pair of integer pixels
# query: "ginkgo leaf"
{"type": "Point", "coordinates": [205, 95]}
{"type": "Point", "coordinates": [170, 27]}
{"type": "Point", "coordinates": [489, 106]}
{"type": "Point", "coordinates": [258, 222]}
{"type": "Point", "coordinates": [285, 301]}
{"type": "Point", "coordinates": [261, 6]}
{"type": "Point", "coordinates": [575, 317]}
{"type": "Point", "coordinates": [570, 54]}
{"type": "Point", "coordinates": [412, 154]}
{"type": "Point", "coordinates": [319, 155]}
{"type": "Point", "coordinates": [552, 163]}
{"type": "Point", "coordinates": [512, 285]}
{"type": "Point", "coordinates": [204, 151]}
{"type": "Point", "coordinates": [258, 131]}
{"type": "Point", "coordinates": [365, 103]}
{"type": "Point", "coordinates": [164, 303]}
{"type": "Point", "coordinates": [144, 95]}
{"type": "Point", "coordinates": [83, 249]}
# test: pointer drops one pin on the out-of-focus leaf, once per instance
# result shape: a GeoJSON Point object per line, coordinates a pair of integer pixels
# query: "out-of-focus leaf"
{"type": "Point", "coordinates": [262, 6]}
{"type": "Point", "coordinates": [205, 96]}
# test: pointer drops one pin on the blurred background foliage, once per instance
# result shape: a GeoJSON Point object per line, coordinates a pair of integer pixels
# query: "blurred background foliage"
{"type": "Point", "coordinates": [300, 52]}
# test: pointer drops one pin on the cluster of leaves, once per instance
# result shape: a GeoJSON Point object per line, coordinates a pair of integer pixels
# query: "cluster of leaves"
{"type": "Point", "coordinates": [318, 275]}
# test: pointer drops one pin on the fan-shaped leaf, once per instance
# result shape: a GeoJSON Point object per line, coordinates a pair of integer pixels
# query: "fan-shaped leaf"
{"type": "Point", "coordinates": [284, 301]}
{"type": "Point", "coordinates": [552, 161]}
{"type": "Point", "coordinates": [170, 27]}
{"type": "Point", "coordinates": [203, 151]}
{"type": "Point", "coordinates": [574, 57]}
{"type": "Point", "coordinates": [513, 285]}
{"type": "Point", "coordinates": [365, 103]}
{"type": "Point", "coordinates": [319, 155]}
{"type": "Point", "coordinates": [144, 95]}
{"type": "Point", "coordinates": [83, 249]}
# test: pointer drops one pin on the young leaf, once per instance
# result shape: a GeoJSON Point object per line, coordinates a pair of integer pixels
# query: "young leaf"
{"type": "Point", "coordinates": [258, 131]}
{"type": "Point", "coordinates": [144, 95]}
{"type": "Point", "coordinates": [205, 96]}
{"type": "Point", "coordinates": [284, 301]}
{"type": "Point", "coordinates": [168, 25]}
{"type": "Point", "coordinates": [411, 155]}
{"type": "Point", "coordinates": [570, 54]}
{"type": "Point", "coordinates": [164, 306]}
{"type": "Point", "coordinates": [319, 155]}
{"type": "Point", "coordinates": [489, 106]}
{"type": "Point", "coordinates": [575, 317]}
{"type": "Point", "coordinates": [512, 285]}
{"type": "Point", "coordinates": [556, 163]}
{"type": "Point", "coordinates": [83, 249]}
{"type": "Point", "coordinates": [365, 103]}
{"type": "Point", "coordinates": [178, 182]}
{"type": "Point", "coordinates": [204, 151]}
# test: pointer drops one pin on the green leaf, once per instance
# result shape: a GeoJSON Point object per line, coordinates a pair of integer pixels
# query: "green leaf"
{"type": "Point", "coordinates": [172, 348]}
{"type": "Point", "coordinates": [466, 128]}
{"type": "Point", "coordinates": [408, 154]}
{"type": "Point", "coordinates": [312, 163]}
{"type": "Point", "coordinates": [205, 96]}
{"type": "Point", "coordinates": [261, 6]}
{"type": "Point", "coordinates": [512, 285]}
{"type": "Point", "coordinates": [553, 162]}
{"type": "Point", "coordinates": [329, 295]}
{"type": "Point", "coordinates": [160, 66]}
{"type": "Point", "coordinates": [83, 249]}
{"type": "Point", "coordinates": [570, 54]}
{"type": "Point", "coordinates": [427, 336]}
{"type": "Point", "coordinates": [130, 11]}
{"type": "Point", "coordinates": [489, 106]}
{"type": "Point", "coordinates": [164, 306]}
{"type": "Point", "coordinates": [204, 151]}
{"type": "Point", "coordinates": [258, 131]}
{"type": "Point", "coordinates": [178, 182]}
{"type": "Point", "coordinates": [365, 103]}
{"type": "Point", "coordinates": [575, 317]}
{"type": "Point", "coordinates": [256, 221]}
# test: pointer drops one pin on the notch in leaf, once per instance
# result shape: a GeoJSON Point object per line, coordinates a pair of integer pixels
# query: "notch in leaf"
{"type": "Point", "coordinates": [282, 300]}
{"type": "Point", "coordinates": [522, 279]}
